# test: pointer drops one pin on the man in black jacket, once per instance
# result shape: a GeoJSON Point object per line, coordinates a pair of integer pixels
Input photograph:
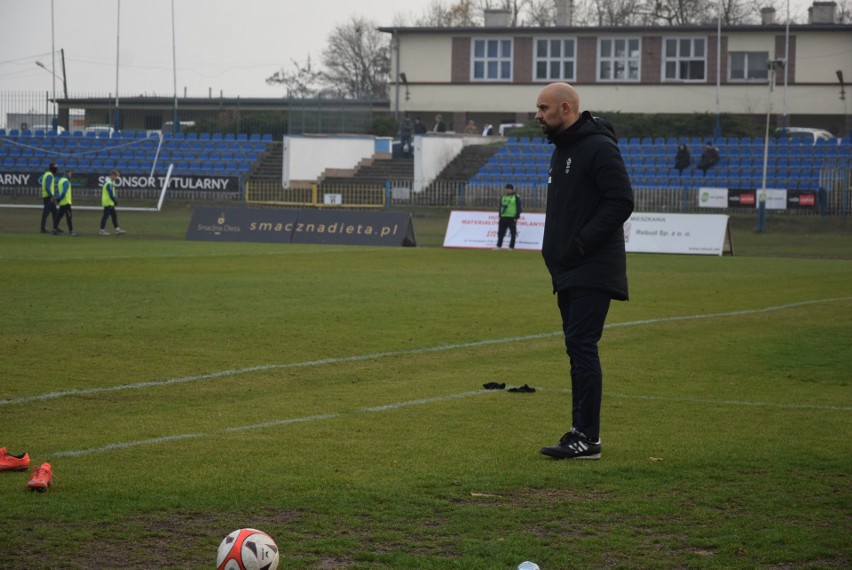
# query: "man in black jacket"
{"type": "Point", "coordinates": [589, 198]}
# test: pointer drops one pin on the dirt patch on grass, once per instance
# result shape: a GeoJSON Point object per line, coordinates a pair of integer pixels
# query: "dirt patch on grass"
{"type": "Point", "coordinates": [163, 539]}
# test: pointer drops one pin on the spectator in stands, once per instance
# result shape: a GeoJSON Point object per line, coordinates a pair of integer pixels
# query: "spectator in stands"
{"type": "Point", "coordinates": [682, 158]}
{"type": "Point", "coordinates": [405, 137]}
{"type": "Point", "coordinates": [510, 211]}
{"type": "Point", "coordinates": [63, 198]}
{"type": "Point", "coordinates": [48, 191]}
{"type": "Point", "coordinates": [109, 202]}
{"type": "Point", "coordinates": [439, 126]}
{"type": "Point", "coordinates": [589, 197]}
{"type": "Point", "coordinates": [709, 157]}
{"type": "Point", "coordinates": [488, 130]}
{"type": "Point", "coordinates": [419, 127]}
{"type": "Point", "coordinates": [470, 128]}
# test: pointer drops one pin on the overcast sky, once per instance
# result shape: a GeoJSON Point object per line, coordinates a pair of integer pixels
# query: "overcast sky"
{"type": "Point", "coordinates": [230, 46]}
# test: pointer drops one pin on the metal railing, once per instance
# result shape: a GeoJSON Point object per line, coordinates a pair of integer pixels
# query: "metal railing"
{"type": "Point", "coordinates": [834, 199]}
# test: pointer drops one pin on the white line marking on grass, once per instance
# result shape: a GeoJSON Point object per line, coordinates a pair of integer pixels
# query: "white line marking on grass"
{"type": "Point", "coordinates": [398, 405]}
{"type": "Point", "coordinates": [380, 355]}
{"type": "Point", "coordinates": [685, 400]}
{"type": "Point", "coordinates": [152, 256]}
{"type": "Point", "coordinates": [152, 441]}
{"type": "Point", "coordinates": [275, 423]}
{"type": "Point", "coordinates": [126, 444]}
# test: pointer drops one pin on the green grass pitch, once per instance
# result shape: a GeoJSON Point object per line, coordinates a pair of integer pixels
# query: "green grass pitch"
{"type": "Point", "coordinates": [332, 397]}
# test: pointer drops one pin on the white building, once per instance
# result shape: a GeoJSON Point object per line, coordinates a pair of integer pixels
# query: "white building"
{"type": "Point", "coordinates": [494, 73]}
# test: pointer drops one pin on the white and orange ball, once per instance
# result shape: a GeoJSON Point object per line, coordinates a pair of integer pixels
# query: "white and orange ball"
{"type": "Point", "coordinates": [247, 549]}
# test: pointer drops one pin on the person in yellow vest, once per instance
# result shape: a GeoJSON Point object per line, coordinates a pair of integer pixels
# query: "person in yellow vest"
{"type": "Point", "coordinates": [510, 211]}
{"type": "Point", "coordinates": [63, 199]}
{"type": "Point", "coordinates": [48, 189]}
{"type": "Point", "coordinates": [109, 202]}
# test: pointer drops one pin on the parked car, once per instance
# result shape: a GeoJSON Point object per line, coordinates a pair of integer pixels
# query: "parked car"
{"type": "Point", "coordinates": [98, 129]}
{"type": "Point", "coordinates": [506, 127]}
{"type": "Point", "coordinates": [806, 135]}
{"type": "Point", "coordinates": [48, 128]}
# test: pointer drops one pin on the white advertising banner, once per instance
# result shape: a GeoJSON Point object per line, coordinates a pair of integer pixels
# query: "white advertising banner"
{"type": "Point", "coordinates": [702, 234]}
{"type": "Point", "coordinates": [776, 199]}
{"type": "Point", "coordinates": [478, 230]}
{"type": "Point", "coordinates": [712, 197]}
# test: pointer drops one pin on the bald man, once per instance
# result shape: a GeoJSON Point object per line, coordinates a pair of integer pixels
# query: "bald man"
{"type": "Point", "coordinates": [589, 198]}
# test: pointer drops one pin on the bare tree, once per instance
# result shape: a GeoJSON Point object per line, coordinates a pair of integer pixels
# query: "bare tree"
{"type": "Point", "coordinates": [615, 12]}
{"type": "Point", "coordinates": [679, 12]}
{"type": "Point", "coordinates": [464, 13]}
{"type": "Point", "coordinates": [302, 81]}
{"type": "Point", "coordinates": [541, 13]}
{"type": "Point", "coordinates": [357, 60]}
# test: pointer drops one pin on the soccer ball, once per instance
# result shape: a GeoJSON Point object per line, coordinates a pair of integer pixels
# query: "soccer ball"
{"type": "Point", "coordinates": [247, 549]}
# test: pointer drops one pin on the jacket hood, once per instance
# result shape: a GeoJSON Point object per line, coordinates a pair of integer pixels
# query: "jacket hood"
{"type": "Point", "coordinates": [585, 126]}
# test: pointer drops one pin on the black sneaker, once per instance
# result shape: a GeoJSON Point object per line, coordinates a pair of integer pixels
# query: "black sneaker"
{"type": "Point", "coordinates": [574, 445]}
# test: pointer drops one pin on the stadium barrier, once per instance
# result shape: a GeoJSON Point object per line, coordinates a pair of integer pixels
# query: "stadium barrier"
{"type": "Point", "coordinates": [834, 200]}
{"type": "Point", "coordinates": [272, 193]}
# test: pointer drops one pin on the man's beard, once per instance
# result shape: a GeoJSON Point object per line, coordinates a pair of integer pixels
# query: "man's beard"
{"type": "Point", "coordinates": [550, 129]}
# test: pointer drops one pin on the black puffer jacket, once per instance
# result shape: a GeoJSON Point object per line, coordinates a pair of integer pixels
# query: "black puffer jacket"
{"type": "Point", "coordinates": [589, 198]}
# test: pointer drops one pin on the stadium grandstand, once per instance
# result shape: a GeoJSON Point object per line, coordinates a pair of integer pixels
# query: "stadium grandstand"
{"type": "Point", "coordinates": [791, 164]}
{"type": "Point", "coordinates": [132, 152]}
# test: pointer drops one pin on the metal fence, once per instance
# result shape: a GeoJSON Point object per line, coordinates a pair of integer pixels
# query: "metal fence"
{"type": "Point", "coordinates": [834, 198]}
{"type": "Point", "coordinates": [398, 195]}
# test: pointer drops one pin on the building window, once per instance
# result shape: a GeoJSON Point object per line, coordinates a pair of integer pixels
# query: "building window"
{"type": "Point", "coordinates": [749, 66]}
{"type": "Point", "coordinates": [685, 59]}
{"type": "Point", "coordinates": [555, 59]}
{"type": "Point", "coordinates": [492, 60]}
{"type": "Point", "coordinates": [618, 59]}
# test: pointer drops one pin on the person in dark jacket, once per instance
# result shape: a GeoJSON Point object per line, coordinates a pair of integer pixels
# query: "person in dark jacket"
{"type": "Point", "coordinates": [510, 210]}
{"type": "Point", "coordinates": [589, 197]}
{"type": "Point", "coordinates": [682, 158]}
{"type": "Point", "coordinates": [709, 158]}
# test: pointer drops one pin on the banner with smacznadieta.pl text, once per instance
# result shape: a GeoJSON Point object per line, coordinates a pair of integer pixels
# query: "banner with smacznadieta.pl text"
{"type": "Point", "coordinates": [277, 225]}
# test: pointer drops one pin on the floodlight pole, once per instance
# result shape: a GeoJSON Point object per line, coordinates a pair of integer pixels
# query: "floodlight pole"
{"type": "Point", "coordinates": [717, 132]}
{"type": "Point", "coordinates": [53, 59]}
{"type": "Point", "coordinates": [845, 119]}
{"type": "Point", "coordinates": [398, 63]}
{"type": "Point", "coordinates": [64, 76]}
{"type": "Point", "coordinates": [117, 31]}
{"type": "Point", "coordinates": [786, 66]}
{"type": "Point", "coordinates": [175, 122]}
{"type": "Point", "coordinates": [772, 66]}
